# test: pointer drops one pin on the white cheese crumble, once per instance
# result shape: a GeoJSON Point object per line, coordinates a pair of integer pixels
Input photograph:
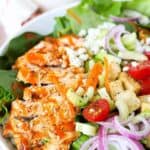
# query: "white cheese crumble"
{"type": "Point", "coordinates": [94, 40]}
{"type": "Point", "coordinates": [77, 57]}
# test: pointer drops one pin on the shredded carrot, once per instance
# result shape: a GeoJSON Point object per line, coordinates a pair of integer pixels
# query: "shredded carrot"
{"type": "Point", "coordinates": [106, 82]}
{"type": "Point", "coordinates": [93, 75]}
{"type": "Point", "coordinates": [72, 14]}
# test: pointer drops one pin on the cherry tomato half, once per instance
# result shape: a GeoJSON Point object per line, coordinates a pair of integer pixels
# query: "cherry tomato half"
{"type": "Point", "coordinates": [97, 111]}
{"type": "Point", "coordinates": [141, 71]}
{"type": "Point", "coordinates": [147, 54]}
{"type": "Point", "coordinates": [145, 86]}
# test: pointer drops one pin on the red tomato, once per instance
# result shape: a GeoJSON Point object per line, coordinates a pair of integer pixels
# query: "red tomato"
{"type": "Point", "coordinates": [97, 111]}
{"type": "Point", "coordinates": [141, 71]}
{"type": "Point", "coordinates": [145, 86]}
{"type": "Point", "coordinates": [147, 54]}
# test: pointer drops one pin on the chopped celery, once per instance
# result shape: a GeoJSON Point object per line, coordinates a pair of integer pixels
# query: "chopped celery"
{"type": "Point", "coordinates": [101, 79]}
{"type": "Point", "coordinates": [104, 94]}
{"type": "Point", "coordinates": [77, 144]}
{"type": "Point", "coordinates": [75, 98]}
{"type": "Point", "coordinates": [129, 40]}
{"type": "Point", "coordinates": [86, 128]}
{"type": "Point", "coordinates": [89, 93]}
{"type": "Point", "coordinates": [80, 91]}
{"type": "Point", "coordinates": [96, 97]}
{"type": "Point", "coordinates": [89, 64]}
{"type": "Point", "coordinates": [100, 57]}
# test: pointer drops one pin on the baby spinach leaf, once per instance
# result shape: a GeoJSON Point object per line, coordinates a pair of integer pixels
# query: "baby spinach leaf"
{"type": "Point", "coordinates": [17, 47]}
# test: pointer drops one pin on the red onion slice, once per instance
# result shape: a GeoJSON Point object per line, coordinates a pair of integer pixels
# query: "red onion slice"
{"type": "Point", "coordinates": [133, 134]}
{"type": "Point", "coordinates": [89, 143]}
{"type": "Point", "coordinates": [124, 19]}
{"type": "Point", "coordinates": [102, 138]}
{"type": "Point", "coordinates": [115, 34]}
{"type": "Point", "coordinates": [125, 143]}
{"type": "Point", "coordinates": [118, 41]}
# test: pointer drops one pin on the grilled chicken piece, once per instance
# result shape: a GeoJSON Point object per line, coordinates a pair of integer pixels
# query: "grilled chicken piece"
{"type": "Point", "coordinates": [72, 76]}
{"type": "Point", "coordinates": [44, 119]}
{"type": "Point", "coordinates": [42, 124]}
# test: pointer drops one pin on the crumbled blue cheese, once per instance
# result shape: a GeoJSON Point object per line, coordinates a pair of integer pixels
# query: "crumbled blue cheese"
{"type": "Point", "coordinates": [77, 57]}
{"type": "Point", "coordinates": [95, 38]}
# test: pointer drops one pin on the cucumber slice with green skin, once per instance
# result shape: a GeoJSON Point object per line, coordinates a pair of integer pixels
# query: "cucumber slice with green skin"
{"type": "Point", "coordinates": [100, 57]}
{"type": "Point", "coordinates": [86, 128]}
{"type": "Point", "coordinates": [77, 144]}
{"type": "Point", "coordinates": [128, 55]}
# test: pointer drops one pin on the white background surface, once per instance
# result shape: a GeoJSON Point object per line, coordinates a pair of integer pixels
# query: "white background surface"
{"type": "Point", "coordinates": [14, 12]}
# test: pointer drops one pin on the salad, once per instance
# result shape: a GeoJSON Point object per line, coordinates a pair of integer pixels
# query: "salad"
{"type": "Point", "coordinates": [86, 86]}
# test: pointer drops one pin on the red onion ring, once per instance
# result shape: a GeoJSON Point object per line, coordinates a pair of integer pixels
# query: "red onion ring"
{"type": "Point", "coordinates": [132, 134]}
{"type": "Point", "coordinates": [102, 137]}
{"type": "Point", "coordinates": [125, 142]}
{"type": "Point", "coordinates": [89, 143]}
{"type": "Point", "coordinates": [118, 41]}
{"type": "Point", "coordinates": [124, 19]}
{"type": "Point", "coordinates": [115, 33]}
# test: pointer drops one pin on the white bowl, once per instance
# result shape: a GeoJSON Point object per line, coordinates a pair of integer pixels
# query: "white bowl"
{"type": "Point", "coordinates": [43, 25]}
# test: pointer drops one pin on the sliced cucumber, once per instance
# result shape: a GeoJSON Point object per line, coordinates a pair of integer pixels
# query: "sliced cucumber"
{"type": "Point", "coordinates": [77, 144]}
{"type": "Point", "coordinates": [128, 55]}
{"type": "Point", "coordinates": [86, 128]}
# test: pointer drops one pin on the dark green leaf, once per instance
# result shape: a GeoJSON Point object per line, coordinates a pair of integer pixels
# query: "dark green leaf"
{"type": "Point", "coordinates": [17, 47]}
{"type": "Point", "coordinates": [7, 78]}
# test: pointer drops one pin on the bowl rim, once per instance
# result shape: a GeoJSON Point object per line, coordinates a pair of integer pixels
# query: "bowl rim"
{"type": "Point", "coordinates": [34, 20]}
